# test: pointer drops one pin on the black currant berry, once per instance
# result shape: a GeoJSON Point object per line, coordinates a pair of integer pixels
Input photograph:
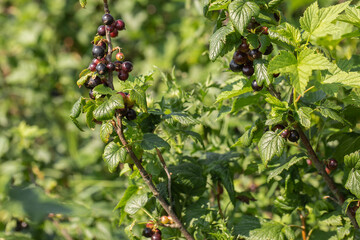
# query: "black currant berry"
{"type": "Point", "coordinates": [269, 49]}
{"type": "Point", "coordinates": [235, 67]}
{"type": "Point", "coordinates": [331, 164]}
{"type": "Point", "coordinates": [101, 68]}
{"type": "Point", "coordinates": [110, 28]}
{"type": "Point", "coordinates": [147, 232]}
{"type": "Point", "coordinates": [293, 136]}
{"type": "Point", "coordinates": [120, 24]}
{"type": "Point", "coordinates": [92, 82]}
{"type": "Point", "coordinates": [277, 16]}
{"type": "Point", "coordinates": [101, 30]}
{"type": "Point", "coordinates": [107, 19]}
{"type": "Point", "coordinates": [254, 54]}
{"type": "Point", "coordinates": [285, 133]}
{"type": "Point", "coordinates": [114, 33]}
{"type": "Point", "coordinates": [92, 67]}
{"type": "Point", "coordinates": [91, 94]}
{"type": "Point", "coordinates": [255, 86]}
{"type": "Point", "coordinates": [248, 70]}
{"type": "Point", "coordinates": [275, 75]}
{"type": "Point", "coordinates": [240, 57]}
{"type": "Point", "coordinates": [127, 66]}
{"type": "Point", "coordinates": [244, 47]}
{"type": "Point", "coordinates": [118, 66]}
{"type": "Point", "coordinates": [110, 66]}
{"type": "Point", "coordinates": [98, 52]}
{"type": "Point", "coordinates": [277, 127]}
{"type": "Point", "coordinates": [131, 114]}
{"type": "Point", "coordinates": [156, 236]}
{"type": "Point", "coordinates": [123, 76]}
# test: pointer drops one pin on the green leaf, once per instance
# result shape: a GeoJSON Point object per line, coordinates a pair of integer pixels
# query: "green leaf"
{"type": "Point", "coordinates": [352, 160]}
{"type": "Point", "coordinates": [84, 79]}
{"type": "Point", "coordinates": [240, 13]}
{"type": "Point", "coordinates": [83, 3]}
{"type": "Point", "coordinates": [304, 115]}
{"type": "Point", "coordinates": [244, 100]}
{"type": "Point", "coordinates": [77, 124]}
{"type": "Point", "coordinates": [151, 141]}
{"type": "Point", "coordinates": [352, 183]}
{"type": "Point", "coordinates": [310, 21]}
{"type": "Point", "coordinates": [270, 230]}
{"type": "Point", "coordinates": [103, 90]}
{"type": "Point", "coordinates": [285, 62]}
{"type": "Point", "coordinates": [219, 5]}
{"type": "Point", "coordinates": [218, 41]}
{"type": "Point", "coordinates": [138, 95]}
{"type": "Point", "coordinates": [129, 192]}
{"type": "Point", "coordinates": [286, 166]}
{"type": "Point", "coordinates": [183, 118]}
{"type": "Point", "coordinates": [105, 131]}
{"type": "Point", "coordinates": [246, 139]}
{"type": "Point", "coordinates": [285, 205]}
{"type": "Point", "coordinates": [76, 109]}
{"type": "Point", "coordinates": [265, 42]}
{"type": "Point", "coordinates": [245, 224]}
{"type": "Point", "coordinates": [113, 155]}
{"type": "Point", "coordinates": [261, 72]}
{"type": "Point", "coordinates": [84, 72]}
{"type": "Point", "coordinates": [328, 113]}
{"type": "Point", "coordinates": [275, 101]}
{"type": "Point", "coordinates": [351, 79]}
{"type": "Point", "coordinates": [270, 144]}
{"type": "Point", "coordinates": [352, 16]}
{"type": "Point", "coordinates": [90, 116]}
{"type": "Point", "coordinates": [135, 203]}
{"type": "Point", "coordinates": [274, 3]}
{"type": "Point", "coordinates": [106, 110]}
{"type": "Point", "coordinates": [253, 40]}
{"type": "Point", "coordinates": [233, 93]}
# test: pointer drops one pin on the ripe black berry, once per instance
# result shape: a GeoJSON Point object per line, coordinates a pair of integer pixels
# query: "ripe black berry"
{"type": "Point", "coordinates": [275, 75]}
{"type": "Point", "coordinates": [131, 114]}
{"type": "Point", "coordinates": [120, 24]}
{"type": "Point", "coordinates": [293, 136]}
{"type": "Point", "coordinates": [91, 94]}
{"type": "Point", "coordinates": [110, 66]}
{"type": "Point", "coordinates": [92, 82]}
{"type": "Point", "coordinates": [110, 28]}
{"type": "Point", "coordinates": [98, 52]}
{"type": "Point", "coordinates": [255, 86]}
{"type": "Point", "coordinates": [101, 30]}
{"type": "Point", "coordinates": [107, 19]}
{"type": "Point", "coordinates": [285, 133]}
{"type": "Point", "coordinates": [101, 68]}
{"type": "Point", "coordinates": [156, 236]}
{"type": "Point", "coordinates": [277, 127]}
{"type": "Point", "coordinates": [248, 70]}
{"type": "Point", "coordinates": [123, 76]}
{"type": "Point", "coordinates": [331, 164]}
{"type": "Point", "coordinates": [235, 67]}
{"type": "Point", "coordinates": [244, 47]}
{"type": "Point", "coordinates": [147, 232]}
{"type": "Point", "coordinates": [254, 54]}
{"type": "Point", "coordinates": [127, 66]}
{"type": "Point", "coordinates": [269, 49]}
{"type": "Point", "coordinates": [240, 57]}
{"type": "Point", "coordinates": [114, 33]}
{"type": "Point", "coordinates": [118, 65]}
{"type": "Point", "coordinates": [277, 16]}
{"type": "Point", "coordinates": [92, 67]}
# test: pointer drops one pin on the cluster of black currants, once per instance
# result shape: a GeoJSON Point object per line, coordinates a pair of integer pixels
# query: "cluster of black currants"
{"type": "Point", "coordinates": [111, 25]}
{"type": "Point", "coordinates": [291, 135]}
{"type": "Point", "coordinates": [151, 232]}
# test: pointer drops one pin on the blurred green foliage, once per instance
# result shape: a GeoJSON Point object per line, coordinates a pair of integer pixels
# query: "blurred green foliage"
{"type": "Point", "coordinates": [47, 165]}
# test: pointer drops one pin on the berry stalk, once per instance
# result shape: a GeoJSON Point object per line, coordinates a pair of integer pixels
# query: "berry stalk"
{"type": "Point", "coordinates": [109, 80]}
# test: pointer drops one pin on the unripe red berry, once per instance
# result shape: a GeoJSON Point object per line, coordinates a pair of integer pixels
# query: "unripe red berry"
{"type": "Point", "coordinates": [120, 56]}
{"type": "Point", "coordinates": [114, 33]}
{"type": "Point", "coordinates": [92, 67]}
{"type": "Point", "coordinates": [120, 24]}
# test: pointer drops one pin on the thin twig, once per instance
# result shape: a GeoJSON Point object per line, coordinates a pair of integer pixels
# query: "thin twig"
{"type": "Point", "coordinates": [147, 179]}
{"type": "Point", "coordinates": [303, 225]}
{"type": "Point", "coordinates": [108, 56]}
{"type": "Point", "coordinates": [167, 173]}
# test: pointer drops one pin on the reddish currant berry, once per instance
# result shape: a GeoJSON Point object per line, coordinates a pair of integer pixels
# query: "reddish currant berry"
{"type": "Point", "coordinates": [131, 114]}
{"type": "Point", "coordinates": [275, 75]}
{"type": "Point", "coordinates": [110, 66]}
{"type": "Point", "coordinates": [101, 68]}
{"type": "Point", "coordinates": [127, 66]}
{"type": "Point", "coordinates": [277, 127]}
{"type": "Point", "coordinates": [240, 57]}
{"type": "Point", "coordinates": [171, 219]}
{"type": "Point", "coordinates": [164, 220]}
{"type": "Point", "coordinates": [107, 19]}
{"type": "Point", "coordinates": [98, 52]}
{"type": "Point", "coordinates": [331, 164]}
{"type": "Point", "coordinates": [235, 67]}
{"type": "Point", "coordinates": [248, 70]}
{"type": "Point", "coordinates": [110, 28]}
{"type": "Point", "coordinates": [244, 47]}
{"type": "Point", "coordinates": [120, 24]}
{"type": "Point", "coordinates": [255, 86]}
{"type": "Point", "coordinates": [285, 133]}
{"type": "Point", "coordinates": [91, 94]}
{"type": "Point", "coordinates": [293, 136]}
{"type": "Point", "coordinates": [269, 49]}
{"type": "Point", "coordinates": [150, 225]}
{"type": "Point", "coordinates": [114, 33]}
{"type": "Point", "coordinates": [254, 54]}
{"type": "Point", "coordinates": [92, 82]}
{"type": "Point", "coordinates": [101, 30]}
{"type": "Point", "coordinates": [265, 30]}
{"type": "Point", "coordinates": [156, 236]}
{"type": "Point", "coordinates": [96, 61]}
{"type": "Point", "coordinates": [92, 67]}
{"type": "Point", "coordinates": [328, 171]}
{"type": "Point", "coordinates": [147, 232]}
{"type": "Point", "coordinates": [118, 65]}
{"type": "Point", "coordinates": [123, 76]}
{"type": "Point", "coordinates": [309, 162]}
{"type": "Point", "coordinates": [120, 56]}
